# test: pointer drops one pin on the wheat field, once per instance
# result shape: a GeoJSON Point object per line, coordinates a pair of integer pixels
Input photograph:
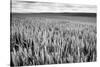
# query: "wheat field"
{"type": "Point", "coordinates": [40, 41]}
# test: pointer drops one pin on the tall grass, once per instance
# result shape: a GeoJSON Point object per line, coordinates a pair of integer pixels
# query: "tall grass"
{"type": "Point", "coordinates": [37, 41]}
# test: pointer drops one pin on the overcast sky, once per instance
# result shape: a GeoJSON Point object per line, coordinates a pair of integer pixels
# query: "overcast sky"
{"type": "Point", "coordinates": [89, 2]}
{"type": "Point", "coordinates": [26, 6]}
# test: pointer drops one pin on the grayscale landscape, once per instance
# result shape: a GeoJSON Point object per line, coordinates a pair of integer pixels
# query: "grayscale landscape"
{"type": "Point", "coordinates": [43, 37]}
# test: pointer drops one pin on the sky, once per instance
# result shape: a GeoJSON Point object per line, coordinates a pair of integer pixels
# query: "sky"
{"type": "Point", "coordinates": [33, 6]}
{"type": "Point", "coordinates": [89, 2]}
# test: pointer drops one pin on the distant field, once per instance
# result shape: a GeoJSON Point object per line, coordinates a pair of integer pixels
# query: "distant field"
{"type": "Point", "coordinates": [38, 39]}
{"type": "Point", "coordinates": [78, 17]}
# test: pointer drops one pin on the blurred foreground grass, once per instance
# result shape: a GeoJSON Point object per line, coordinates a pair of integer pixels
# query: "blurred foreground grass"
{"type": "Point", "coordinates": [39, 41]}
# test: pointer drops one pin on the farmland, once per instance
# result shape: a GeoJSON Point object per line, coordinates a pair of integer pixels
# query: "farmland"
{"type": "Point", "coordinates": [39, 40]}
